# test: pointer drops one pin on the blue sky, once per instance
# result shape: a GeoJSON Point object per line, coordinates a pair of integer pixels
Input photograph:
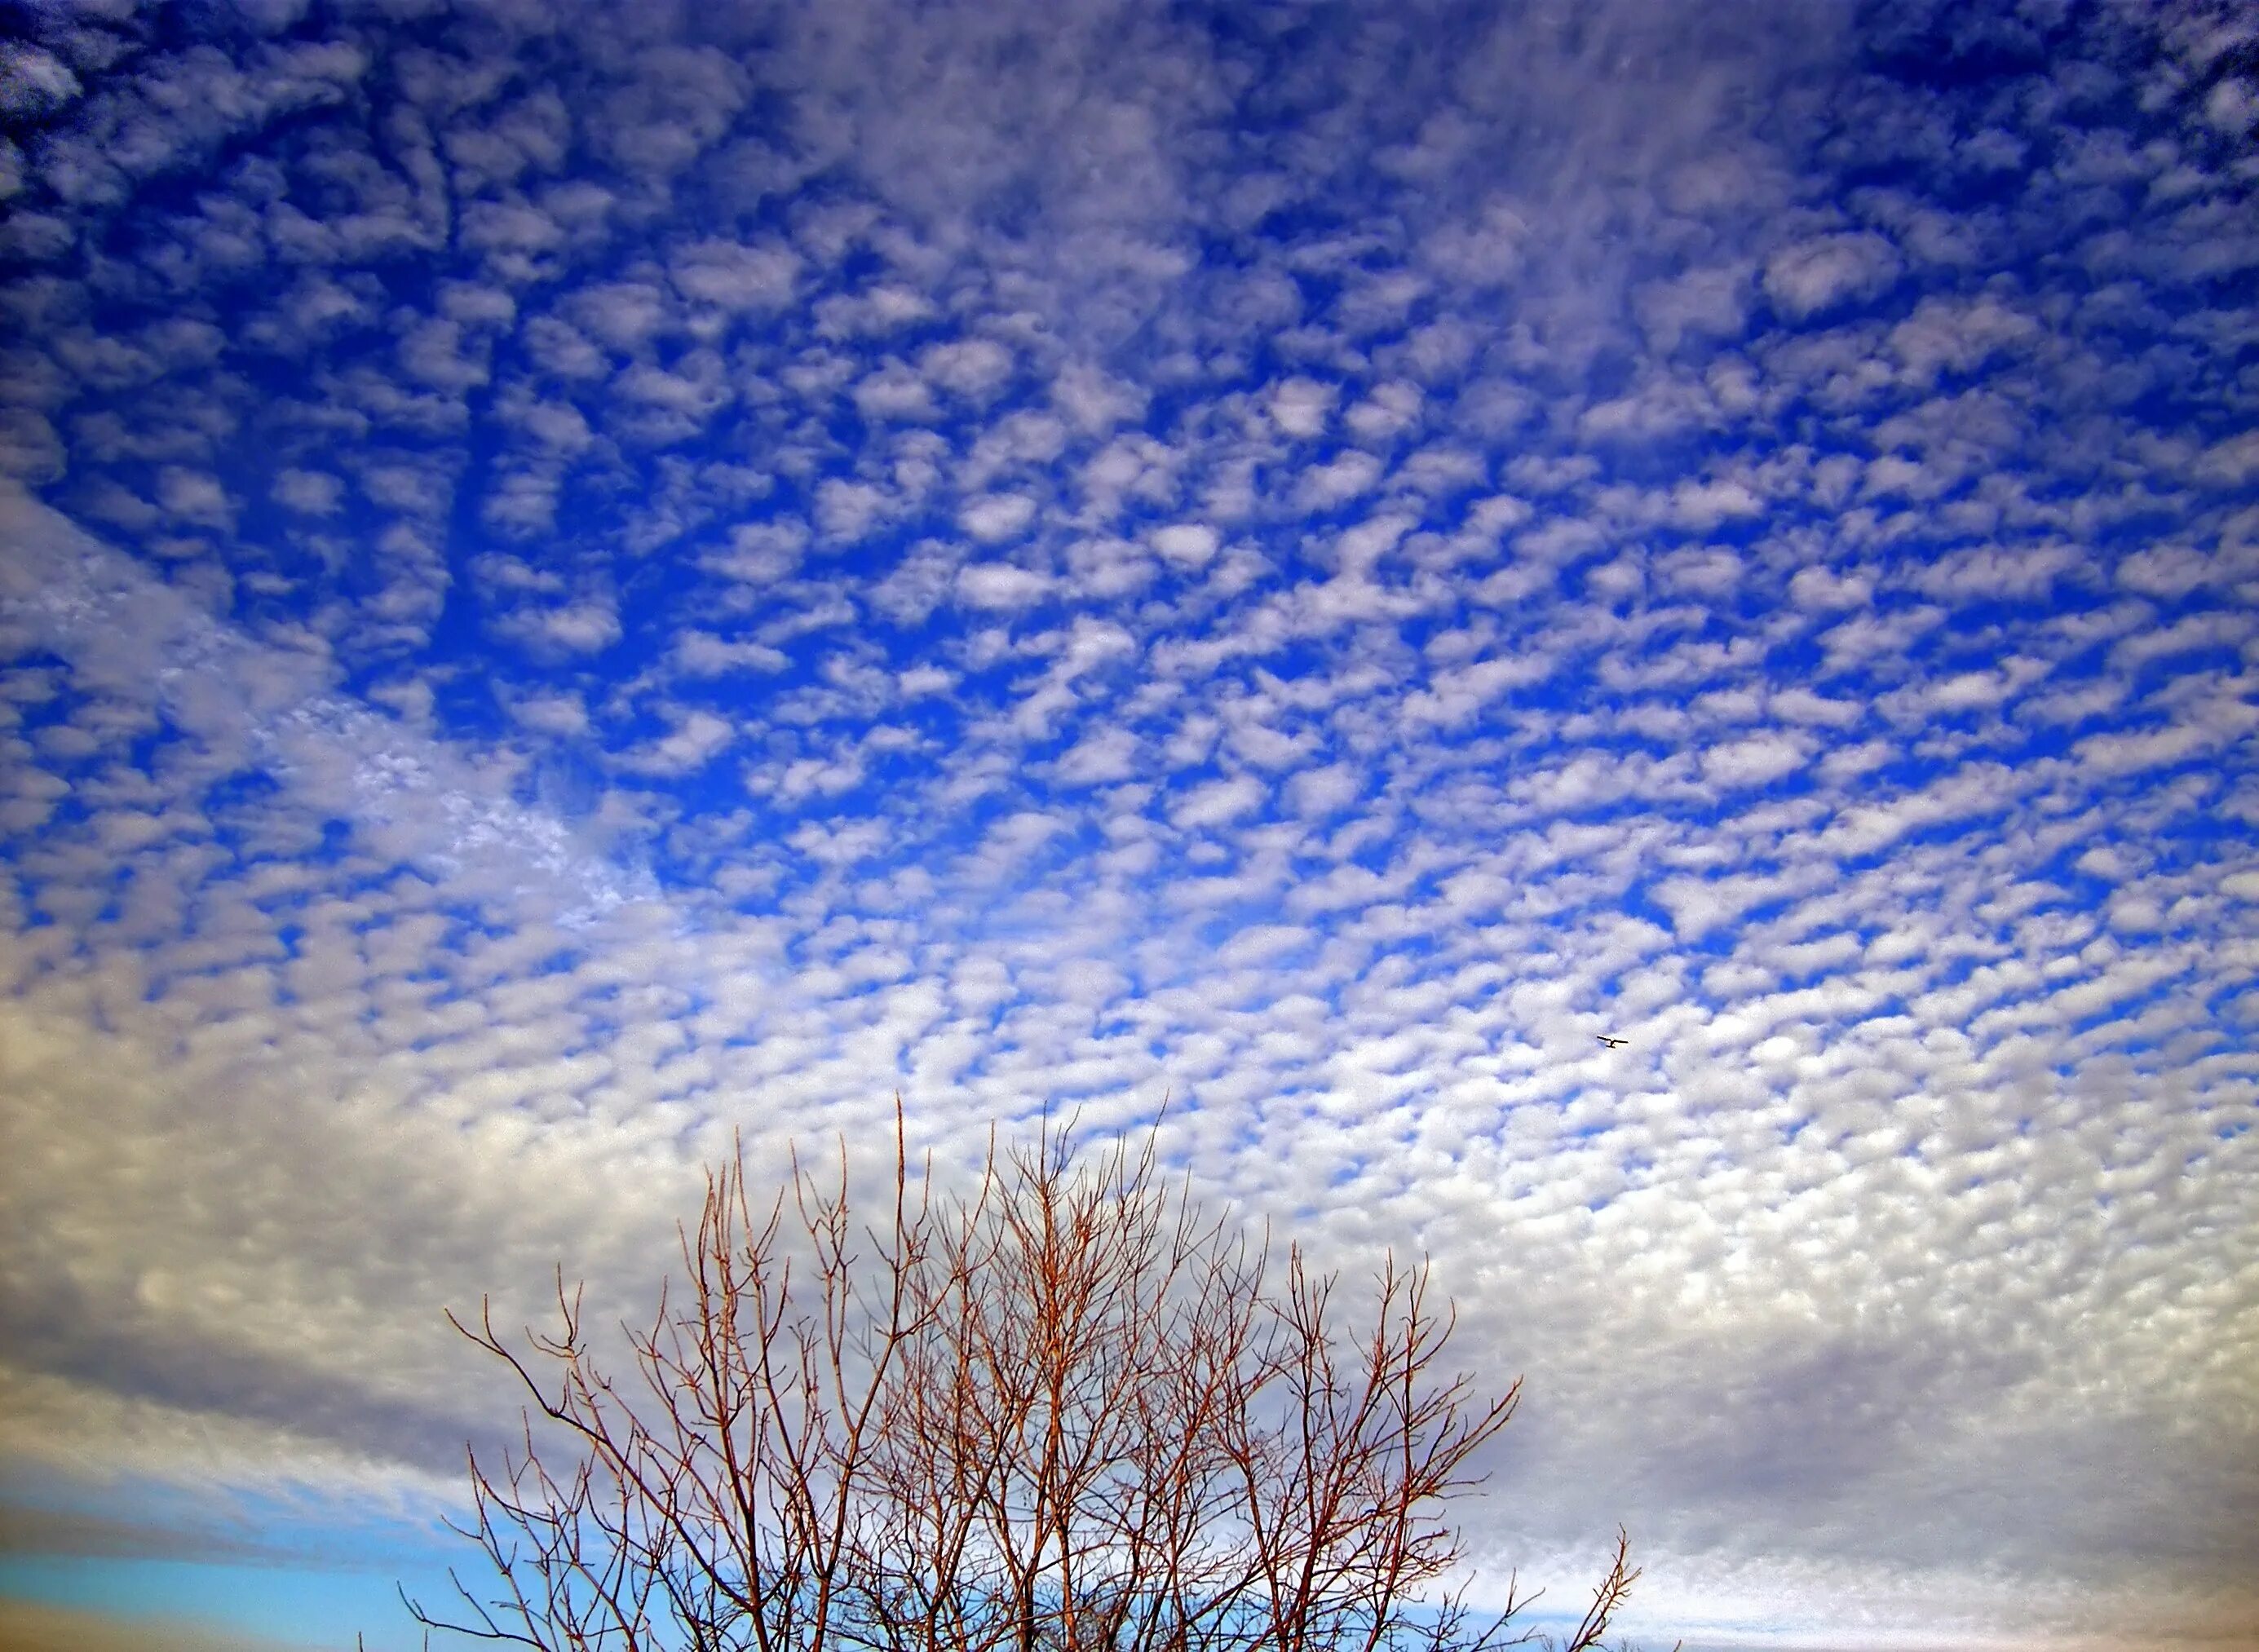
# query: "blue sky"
{"type": "Point", "coordinates": [579, 579]}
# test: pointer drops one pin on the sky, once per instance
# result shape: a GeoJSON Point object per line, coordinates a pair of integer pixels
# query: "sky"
{"type": "Point", "coordinates": [577, 579]}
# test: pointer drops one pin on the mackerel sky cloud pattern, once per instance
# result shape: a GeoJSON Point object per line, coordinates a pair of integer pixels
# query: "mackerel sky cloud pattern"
{"type": "Point", "coordinates": [575, 578]}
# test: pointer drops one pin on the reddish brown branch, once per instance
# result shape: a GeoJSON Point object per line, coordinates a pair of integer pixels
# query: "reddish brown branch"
{"type": "Point", "coordinates": [1064, 1411]}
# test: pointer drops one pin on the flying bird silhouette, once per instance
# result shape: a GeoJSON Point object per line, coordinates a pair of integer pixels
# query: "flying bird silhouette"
{"type": "Point", "coordinates": [1612, 1043]}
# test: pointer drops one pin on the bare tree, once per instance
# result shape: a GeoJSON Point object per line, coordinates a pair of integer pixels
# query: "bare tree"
{"type": "Point", "coordinates": [1066, 1411]}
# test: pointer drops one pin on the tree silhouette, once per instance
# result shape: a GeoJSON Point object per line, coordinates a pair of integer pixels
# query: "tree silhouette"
{"type": "Point", "coordinates": [1063, 1411]}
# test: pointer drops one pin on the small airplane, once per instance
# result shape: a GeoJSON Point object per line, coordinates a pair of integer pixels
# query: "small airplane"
{"type": "Point", "coordinates": [1612, 1043]}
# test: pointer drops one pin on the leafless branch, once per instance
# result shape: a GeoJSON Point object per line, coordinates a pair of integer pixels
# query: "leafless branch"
{"type": "Point", "coordinates": [1066, 1411]}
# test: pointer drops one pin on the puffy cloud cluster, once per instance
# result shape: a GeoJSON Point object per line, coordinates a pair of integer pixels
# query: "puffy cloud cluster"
{"type": "Point", "coordinates": [569, 591]}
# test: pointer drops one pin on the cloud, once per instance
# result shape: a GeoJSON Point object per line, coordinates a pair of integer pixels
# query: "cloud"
{"type": "Point", "coordinates": [697, 739]}
{"type": "Point", "coordinates": [581, 592]}
{"type": "Point", "coordinates": [1828, 270]}
{"type": "Point", "coordinates": [308, 492]}
{"type": "Point", "coordinates": [1217, 802]}
{"type": "Point", "coordinates": [999, 585]}
{"type": "Point", "coordinates": [1301, 406]}
{"type": "Point", "coordinates": [34, 83]}
{"type": "Point", "coordinates": [553, 713]}
{"type": "Point", "coordinates": [1188, 544]}
{"type": "Point", "coordinates": [587, 626]}
{"type": "Point", "coordinates": [1325, 791]}
{"type": "Point", "coordinates": [996, 517]}
{"type": "Point", "coordinates": [735, 277]}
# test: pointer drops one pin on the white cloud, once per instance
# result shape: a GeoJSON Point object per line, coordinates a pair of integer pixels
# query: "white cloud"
{"type": "Point", "coordinates": [1330, 486]}
{"type": "Point", "coordinates": [995, 517]}
{"type": "Point", "coordinates": [1754, 760]}
{"type": "Point", "coordinates": [308, 492]}
{"type": "Point", "coordinates": [553, 713]}
{"type": "Point", "coordinates": [1703, 506]}
{"type": "Point", "coordinates": [697, 738]}
{"type": "Point", "coordinates": [1800, 621]}
{"type": "Point", "coordinates": [973, 367]}
{"type": "Point", "coordinates": [735, 277]}
{"type": "Point", "coordinates": [2231, 105]}
{"type": "Point", "coordinates": [34, 83]}
{"type": "Point", "coordinates": [885, 308]}
{"type": "Point", "coordinates": [1002, 585]}
{"type": "Point", "coordinates": [585, 626]}
{"type": "Point", "coordinates": [1301, 406]}
{"type": "Point", "coordinates": [1326, 791]}
{"type": "Point", "coordinates": [195, 497]}
{"type": "Point", "coordinates": [1188, 544]}
{"type": "Point", "coordinates": [1387, 411]}
{"type": "Point", "coordinates": [1822, 590]}
{"type": "Point", "coordinates": [1943, 336]}
{"type": "Point", "coordinates": [2166, 570]}
{"type": "Point", "coordinates": [1710, 303]}
{"type": "Point", "coordinates": [1827, 270]}
{"type": "Point", "coordinates": [1217, 802]}
{"type": "Point", "coordinates": [2230, 462]}
{"type": "Point", "coordinates": [704, 654]}
{"type": "Point", "coordinates": [1101, 756]}
{"type": "Point", "coordinates": [895, 393]}
{"type": "Point", "coordinates": [2147, 749]}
